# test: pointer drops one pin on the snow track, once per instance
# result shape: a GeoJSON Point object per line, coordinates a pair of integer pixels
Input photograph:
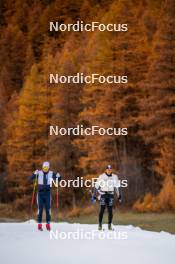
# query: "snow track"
{"type": "Point", "coordinates": [22, 243]}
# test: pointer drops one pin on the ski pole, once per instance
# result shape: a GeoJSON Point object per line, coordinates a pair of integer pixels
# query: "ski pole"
{"type": "Point", "coordinates": [57, 198]}
{"type": "Point", "coordinates": [33, 194]}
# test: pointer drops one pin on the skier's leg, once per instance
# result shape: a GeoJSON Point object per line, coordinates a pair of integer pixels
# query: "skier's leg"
{"type": "Point", "coordinates": [110, 215]}
{"type": "Point", "coordinates": [101, 213]}
{"type": "Point", "coordinates": [40, 205]}
{"type": "Point", "coordinates": [110, 210]}
{"type": "Point", "coordinates": [102, 209]}
{"type": "Point", "coordinates": [48, 207]}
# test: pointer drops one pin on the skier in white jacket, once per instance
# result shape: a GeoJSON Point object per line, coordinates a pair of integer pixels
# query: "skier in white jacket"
{"type": "Point", "coordinates": [106, 184]}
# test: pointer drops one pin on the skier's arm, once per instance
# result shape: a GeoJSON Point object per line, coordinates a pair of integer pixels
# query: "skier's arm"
{"type": "Point", "coordinates": [94, 195]}
{"type": "Point", "coordinates": [117, 189]}
{"type": "Point", "coordinates": [119, 195]}
{"type": "Point", "coordinates": [34, 176]}
{"type": "Point", "coordinates": [95, 190]}
{"type": "Point", "coordinates": [97, 184]}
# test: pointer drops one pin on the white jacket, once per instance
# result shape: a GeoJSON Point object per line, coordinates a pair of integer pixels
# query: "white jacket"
{"type": "Point", "coordinates": [50, 175]}
{"type": "Point", "coordinates": [107, 183]}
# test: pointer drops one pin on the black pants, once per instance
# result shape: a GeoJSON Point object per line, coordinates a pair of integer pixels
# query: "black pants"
{"type": "Point", "coordinates": [44, 201]}
{"type": "Point", "coordinates": [106, 200]}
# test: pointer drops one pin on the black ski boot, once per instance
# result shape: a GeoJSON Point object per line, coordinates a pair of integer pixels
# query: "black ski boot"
{"type": "Point", "coordinates": [100, 227]}
{"type": "Point", "coordinates": [110, 227]}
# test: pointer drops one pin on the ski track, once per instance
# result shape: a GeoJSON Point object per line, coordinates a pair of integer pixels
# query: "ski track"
{"type": "Point", "coordinates": [22, 243]}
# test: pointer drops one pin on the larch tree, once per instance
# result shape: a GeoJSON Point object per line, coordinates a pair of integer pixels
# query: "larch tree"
{"type": "Point", "coordinates": [27, 138]}
{"type": "Point", "coordinates": [157, 121]}
{"type": "Point", "coordinates": [116, 105]}
{"type": "Point", "coordinates": [65, 110]}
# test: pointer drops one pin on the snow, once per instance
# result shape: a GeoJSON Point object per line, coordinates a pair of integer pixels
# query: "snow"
{"type": "Point", "coordinates": [82, 244]}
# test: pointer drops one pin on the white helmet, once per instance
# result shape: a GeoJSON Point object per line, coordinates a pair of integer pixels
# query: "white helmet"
{"type": "Point", "coordinates": [46, 166]}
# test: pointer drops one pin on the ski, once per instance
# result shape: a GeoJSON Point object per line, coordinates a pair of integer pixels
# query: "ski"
{"type": "Point", "coordinates": [101, 230]}
{"type": "Point", "coordinates": [106, 229]}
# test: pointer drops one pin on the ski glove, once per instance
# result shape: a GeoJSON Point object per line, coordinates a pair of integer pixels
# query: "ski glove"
{"type": "Point", "coordinates": [120, 198]}
{"type": "Point", "coordinates": [93, 199]}
{"type": "Point", "coordinates": [36, 172]}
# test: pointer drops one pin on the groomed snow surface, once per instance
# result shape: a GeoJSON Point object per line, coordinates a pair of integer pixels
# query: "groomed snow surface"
{"type": "Point", "coordinates": [22, 243]}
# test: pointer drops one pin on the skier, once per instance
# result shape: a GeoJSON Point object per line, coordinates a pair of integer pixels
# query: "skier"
{"type": "Point", "coordinates": [106, 184]}
{"type": "Point", "coordinates": [44, 179]}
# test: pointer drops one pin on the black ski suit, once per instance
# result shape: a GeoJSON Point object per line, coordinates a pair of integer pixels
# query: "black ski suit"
{"type": "Point", "coordinates": [106, 184]}
{"type": "Point", "coordinates": [43, 197]}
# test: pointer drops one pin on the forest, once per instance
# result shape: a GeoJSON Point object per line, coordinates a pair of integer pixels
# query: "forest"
{"type": "Point", "coordinates": [145, 105]}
